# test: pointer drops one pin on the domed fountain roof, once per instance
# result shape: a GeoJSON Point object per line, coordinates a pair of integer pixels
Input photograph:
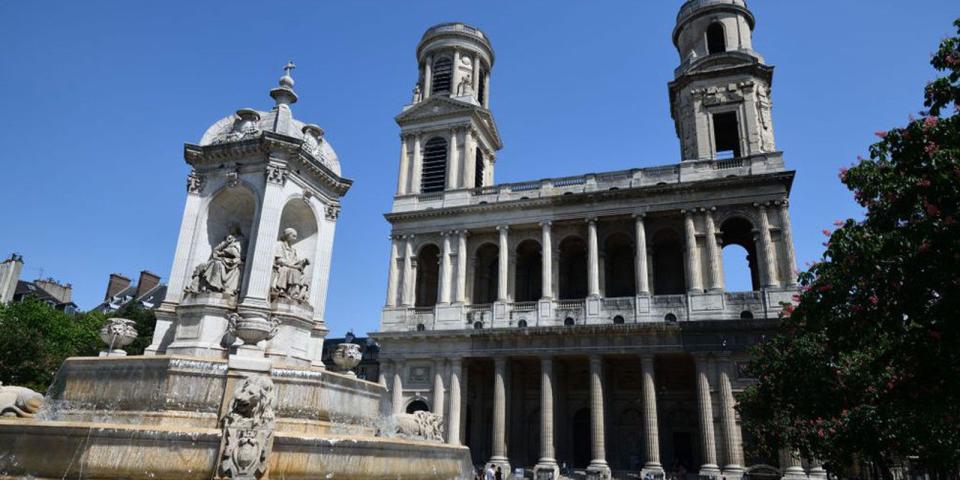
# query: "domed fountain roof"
{"type": "Point", "coordinates": [248, 123]}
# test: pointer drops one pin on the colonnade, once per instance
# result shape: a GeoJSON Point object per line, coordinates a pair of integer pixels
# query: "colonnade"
{"type": "Point", "coordinates": [729, 434]}
{"type": "Point", "coordinates": [453, 274]}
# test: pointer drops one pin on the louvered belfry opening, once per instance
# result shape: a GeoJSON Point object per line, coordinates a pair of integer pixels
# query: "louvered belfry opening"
{"type": "Point", "coordinates": [482, 94]}
{"type": "Point", "coordinates": [434, 176]}
{"type": "Point", "coordinates": [442, 75]}
{"type": "Point", "coordinates": [478, 175]}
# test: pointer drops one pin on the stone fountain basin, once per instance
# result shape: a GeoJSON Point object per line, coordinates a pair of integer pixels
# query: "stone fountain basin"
{"type": "Point", "coordinates": [61, 449]}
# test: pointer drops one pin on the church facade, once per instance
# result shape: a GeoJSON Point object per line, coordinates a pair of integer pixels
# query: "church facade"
{"type": "Point", "coordinates": [584, 321]}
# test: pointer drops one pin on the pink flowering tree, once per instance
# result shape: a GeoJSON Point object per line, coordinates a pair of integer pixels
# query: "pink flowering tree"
{"type": "Point", "coordinates": [866, 367]}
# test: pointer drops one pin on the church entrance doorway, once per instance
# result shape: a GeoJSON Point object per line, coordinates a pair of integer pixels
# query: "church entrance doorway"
{"type": "Point", "coordinates": [582, 447]}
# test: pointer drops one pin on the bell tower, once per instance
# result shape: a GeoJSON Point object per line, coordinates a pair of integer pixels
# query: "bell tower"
{"type": "Point", "coordinates": [720, 95]}
{"type": "Point", "coordinates": [448, 138]}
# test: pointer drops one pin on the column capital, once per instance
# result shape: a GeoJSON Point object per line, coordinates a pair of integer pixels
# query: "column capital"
{"type": "Point", "coordinates": [591, 220]}
{"type": "Point", "coordinates": [688, 212]}
{"type": "Point", "coordinates": [761, 205]}
{"type": "Point", "coordinates": [462, 233]}
{"type": "Point", "coordinates": [596, 359]}
{"type": "Point", "coordinates": [783, 203]}
{"type": "Point", "coordinates": [503, 228]}
{"type": "Point", "coordinates": [500, 360]}
{"type": "Point", "coordinates": [546, 223]}
{"type": "Point", "coordinates": [639, 216]}
{"type": "Point", "coordinates": [647, 356]}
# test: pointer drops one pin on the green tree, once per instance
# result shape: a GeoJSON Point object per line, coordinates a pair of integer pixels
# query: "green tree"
{"type": "Point", "coordinates": [36, 338]}
{"type": "Point", "coordinates": [867, 365]}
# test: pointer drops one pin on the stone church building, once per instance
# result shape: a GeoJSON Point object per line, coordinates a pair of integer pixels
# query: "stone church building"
{"type": "Point", "coordinates": [583, 321]}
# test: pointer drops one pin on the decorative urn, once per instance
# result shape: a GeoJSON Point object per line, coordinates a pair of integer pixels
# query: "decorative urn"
{"type": "Point", "coordinates": [347, 356]}
{"type": "Point", "coordinates": [253, 329]}
{"type": "Point", "coordinates": [117, 333]}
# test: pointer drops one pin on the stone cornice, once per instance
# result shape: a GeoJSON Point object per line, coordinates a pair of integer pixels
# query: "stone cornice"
{"type": "Point", "coordinates": [592, 199]}
{"type": "Point", "coordinates": [278, 147]}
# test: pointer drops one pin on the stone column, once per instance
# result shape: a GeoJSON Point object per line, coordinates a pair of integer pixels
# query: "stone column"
{"type": "Point", "coordinates": [476, 76]}
{"type": "Point", "coordinates": [397, 386]}
{"type": "Point", "coordinates": [694, 282]}
{"type": "Point", "coordinates": [445, 272]}
{"type": "Point", "coordinates": [713, 252]}
{"type": "Point", "coordinates": [794, 467]}
{"type": "Point", "coordinates": [640, 256]}
{"type": "Point", "coordinates": [392, 272]}
{"type": "Point", "coordinates": [486, 91]}
{"type": "Point", "coordinates": [462, 267]}
{"type": "Point", "coordinates": [404, 166]}
{"type": "Point", "coordinates": [708, 442]}
{"type": "Point", "coordinates": [499, 457]}
{"type": "Point", "coordinates": [453, 160]}
{"type": "Point", "coordinates": [593, 259]}
{"type": "Point", "coordinates": [408, 281]}
{"type": "Point", "coordinates": [469, 159]}
{"type": "Point", "coordinates": [438, 388]}
{"type": "Point", "coordinates": [766, 248]}
{"type": "Point", "coordinates": [428, 78]}
{"type": "Point", "coordinates": [548, 461]}
{"type": "Point", "coordinates": [732, 442]}
{"type": "Point", "coordinates": [598, 467]}
{"type": "Point", "coordinates": [257, 293]}
{"type": "Point", "coordinates": [787, 236]}
{"type": "Point", "coordinates": [416, 167]}
{"type": "Point", "coordinates": [453, 420]}
{"type": "Point", "coordinates": [651, 432]}
{"type": "Point", "coordinates": [504, 264]}
{"type": "Point", "coordinates": [546, 271]}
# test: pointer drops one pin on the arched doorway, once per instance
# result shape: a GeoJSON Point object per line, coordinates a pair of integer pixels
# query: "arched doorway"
{"type": "Point", "coordinates": [619, 279]}
{"type": "Point", "coordinates": [417, 406]}
{"type": "Point", "coordinates": [582, 447]}
{"type": "Point", "coordinates": [528, 286]}
{"type": "Point", "coordinates": [485, 273]}
{"type": "Point", "coordinates": [573, 268]}
{"type": "Point", "coordinates": [741, 272]}
{"type": "Point", "coordinates": [668, 273]}
{"type": "Point", "coordinates": [428, 275]}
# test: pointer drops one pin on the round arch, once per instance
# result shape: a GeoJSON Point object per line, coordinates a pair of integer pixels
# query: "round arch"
{"type": "Point", "coordinates": [486, 261]}
{"type": "Point", "coordinates": [740, 266]}
{"type": "Point", "coordinates": [427, 275]}
{"type": "Point", "coordinates": [528, 280]}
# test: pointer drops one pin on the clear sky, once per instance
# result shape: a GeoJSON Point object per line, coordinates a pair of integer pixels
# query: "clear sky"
{"type": "Point", "coordinates": [98, 98]}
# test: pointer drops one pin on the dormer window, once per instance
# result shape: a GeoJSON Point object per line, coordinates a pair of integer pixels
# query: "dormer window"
{"type": "Point", "coordinates": [434, 176]}
{"type": "Point", "coordinates": [442, 75]}
{"type": "Point", "coordinates": [716, 38]}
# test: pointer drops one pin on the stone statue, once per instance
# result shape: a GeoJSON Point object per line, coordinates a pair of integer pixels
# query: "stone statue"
{"type": "Point", "coordinates": [248, 430]}
{"type": "Point", "coordinates": [117, 333]}
{"type": "Point", "coordinates": [347, 356]}
{"type": "Point", "coordinates": [417, 93]}
{"type": "Point", "coordinates": [420, 425]}
{"type": "Point", "coordinates": [465, 87]}
{"type": "Point", "coordinates": [19, 402]}
{"type": "Point", "coordinates": [221, 273]}
{"type": "Point", "coordinates": [289, 280]}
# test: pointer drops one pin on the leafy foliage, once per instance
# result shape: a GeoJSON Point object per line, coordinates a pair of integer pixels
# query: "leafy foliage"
{"type": "Point", "coordinates": [36, 338]}
{"type": "Point", "coordinates": [867, 365]}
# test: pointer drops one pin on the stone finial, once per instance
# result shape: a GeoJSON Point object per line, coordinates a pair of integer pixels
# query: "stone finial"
{"type": "Point", "coordinates": [284, 94]}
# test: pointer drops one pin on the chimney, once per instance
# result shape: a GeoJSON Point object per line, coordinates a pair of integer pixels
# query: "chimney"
{"type": "Point", "coordinates": [148, 281]}
{"type": "Point", "coordinates": [62, 292]}
{"type": "Point", "coordinates": [9, 276]}
{"type": "Point", "coordinates": [116, 285]}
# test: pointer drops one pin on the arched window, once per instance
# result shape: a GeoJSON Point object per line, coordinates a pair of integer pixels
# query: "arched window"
{"type": "Point", "coordinates": [619, 279]}
{"type": "Point", "coordinates": [569, 322]}
{"type": "Point", "coordinates": [417, 406]}
{"type": "Point", "coordinates": [421, 327]}
{"type": "Point", "coordinates": [670, 318]}
{"type": "Point", "coordinates": [485, 274]}
{"type": "Point", "coordinates": [428, 269]}
{"type": "Point", "coordinates": [740, 268]}
{"type": "Point", "coordinates": [528, 286]}
{"type": "Point", "coordinates": [668, 271]}
{"type": "Point", "coordinates": [716, 38]}
{"type": "Point", "coordinates": [573, 268]}
{"type": "Point", "coordinates": [478, 325]}
{"type": "Point", "coordinates": [522, 324]}
{"type": "Point", "coordinates": [478, 175]}
{"type": "Point", "coordinates": [442, 75]}
{"type": "Point", "coordinates": [746, 315]}
{"type": "Point", "coordinates": [618, 320]}
{"type": "Point", "coordinates": [434, 175]}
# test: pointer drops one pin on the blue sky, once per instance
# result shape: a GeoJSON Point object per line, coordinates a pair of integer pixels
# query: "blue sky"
{"type": "Point", "coordinates": [99, 97]}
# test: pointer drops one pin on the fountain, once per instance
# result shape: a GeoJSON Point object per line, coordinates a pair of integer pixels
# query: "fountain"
{"type": "Point", "coordinates": [232, 385]}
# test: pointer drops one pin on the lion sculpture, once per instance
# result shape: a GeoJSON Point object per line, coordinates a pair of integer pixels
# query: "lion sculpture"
{"type": "Point", "coordinates": [19, 402]}
{"type": "Point", "coordinates": [248, 429]}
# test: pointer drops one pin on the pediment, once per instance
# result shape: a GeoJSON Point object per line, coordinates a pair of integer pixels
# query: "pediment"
{"type": "Point", "coordinates": [435, 107]}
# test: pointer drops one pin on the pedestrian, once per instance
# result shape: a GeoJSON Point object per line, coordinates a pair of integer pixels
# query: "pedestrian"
{"type": "Point", "coordinates": [499, 474]}
{"type": "Point", "coordinates": [488, 473]}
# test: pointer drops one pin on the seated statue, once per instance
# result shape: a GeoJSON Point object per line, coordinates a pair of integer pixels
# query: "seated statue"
{"type": "Point", "coordinates": [289, 280]}
{"type": "Point", "coordinates": [221, 273]}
